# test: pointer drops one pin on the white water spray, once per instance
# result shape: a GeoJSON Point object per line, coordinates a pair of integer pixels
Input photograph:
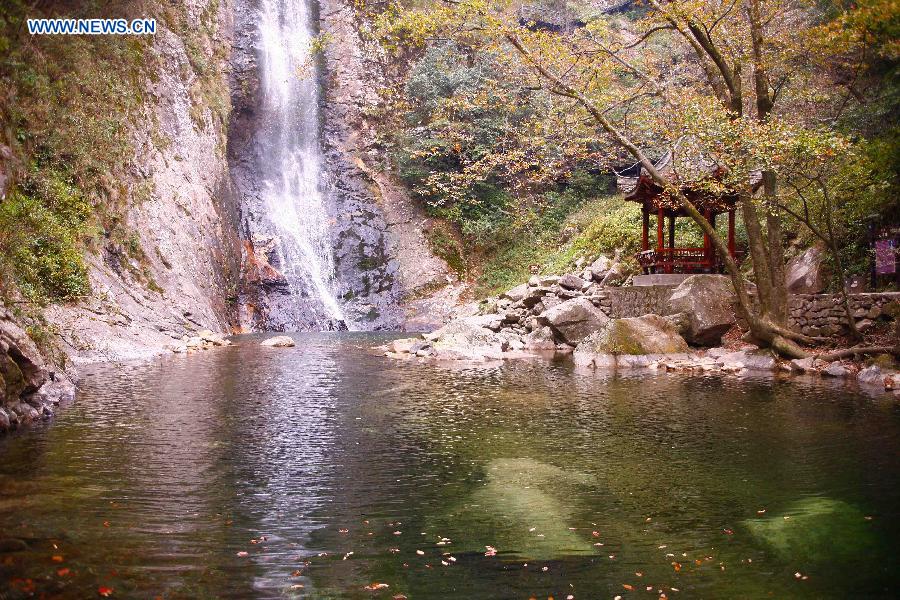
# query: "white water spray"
{"type": "Point", "coordinates": [292, 172]}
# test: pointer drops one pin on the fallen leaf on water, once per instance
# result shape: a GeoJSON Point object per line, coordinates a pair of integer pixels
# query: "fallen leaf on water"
{"type": "Point", "coordinates": [56, 558]}
{"type": "Point", "coordinates": [104, 591]}
{"type": "Point", "coordinates": [628, 587]}
{"type": "Point", "coordinates": [595, 533]}
{"type": "Point", "coordinates": [62, 572]}
{"type": "Point", "coordinates": [106, 523]}
{"type": "Point", "coordinates": [297, 573]}
{"type": "Point", "coordinates": [376, 586]}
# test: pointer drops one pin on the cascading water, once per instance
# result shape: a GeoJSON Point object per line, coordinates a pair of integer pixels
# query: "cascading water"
{"type": "Point", "coordinates": [292, 183]}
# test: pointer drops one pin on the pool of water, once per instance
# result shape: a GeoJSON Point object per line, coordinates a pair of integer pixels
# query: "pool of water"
{"type": "Point", "coordinates": [319, 470]}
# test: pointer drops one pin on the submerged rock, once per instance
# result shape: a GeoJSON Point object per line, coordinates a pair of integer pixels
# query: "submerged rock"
{"type": "Point", "coordinates": [707, 301]}
{"type": "Point", "coordinates": [815, 530]}
{"type": "Point", "coordinates": [524, 509]}
{"type": "Point", "coordinates": [281, 341]}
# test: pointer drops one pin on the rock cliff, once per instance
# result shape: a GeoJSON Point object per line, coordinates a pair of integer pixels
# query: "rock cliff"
{"type": "Point", "coordinates": [185, 227]}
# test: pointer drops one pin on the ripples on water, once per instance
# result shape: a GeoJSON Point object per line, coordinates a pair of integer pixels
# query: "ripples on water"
{"type": "Point", "coordinates": [162, 473]}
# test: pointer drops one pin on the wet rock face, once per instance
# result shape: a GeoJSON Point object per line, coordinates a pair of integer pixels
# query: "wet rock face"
{"type": "Point", "coordinates": [366, 278]}
{"type": "Point", "coordinates": [366, 272]}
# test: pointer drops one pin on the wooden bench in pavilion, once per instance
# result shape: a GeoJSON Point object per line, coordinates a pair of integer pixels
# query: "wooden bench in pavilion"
{"type": "Point", "coordinates": [664, 257]}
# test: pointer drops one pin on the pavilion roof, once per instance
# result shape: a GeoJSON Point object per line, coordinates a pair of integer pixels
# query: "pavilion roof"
{"type": "Point", "coordinates": [637, 185]}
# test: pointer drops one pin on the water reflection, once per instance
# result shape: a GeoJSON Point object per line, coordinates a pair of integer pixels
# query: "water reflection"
{"type": "Point", "coordinates": [318, 470]}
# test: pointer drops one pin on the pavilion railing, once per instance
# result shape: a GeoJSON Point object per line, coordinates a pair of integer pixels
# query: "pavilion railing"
{"type": "Point", "coordinates": [681, 260]}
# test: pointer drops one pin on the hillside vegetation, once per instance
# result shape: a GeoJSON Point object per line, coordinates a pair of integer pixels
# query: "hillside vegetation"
{"type": "Point", "coordinates": [523, 179]}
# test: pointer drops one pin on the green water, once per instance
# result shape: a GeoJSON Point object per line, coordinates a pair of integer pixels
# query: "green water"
{"type": "Point", "coordinates": [162, 475]}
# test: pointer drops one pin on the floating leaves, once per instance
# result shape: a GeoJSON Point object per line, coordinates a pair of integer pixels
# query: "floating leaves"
{"type": "Point", "coordinates": [375, 586]}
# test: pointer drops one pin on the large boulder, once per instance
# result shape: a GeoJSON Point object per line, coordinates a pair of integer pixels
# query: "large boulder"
{"type": "Point", "coordinates": [570, 281]}
{"type": "Point", "coordinates": [29, 389]}
{"type": "Point", "coordinates": [600, 267]}
{"type": "Point", "coordinates": [574, 320]}
{"type": "Point", "coordinates": [470, 337]}
{"type": "Point", "coordinates": [517, 293]}
{"type": "Point", "coordinates": [540, 340]}
{"type": "Point", "coordinates": [22, 369]}
{"type": "Point", "coordinates": [805, 274]}
{"type": "Point", "coordinates": [708, 303]}
{"type": "Point", "coordinates": [649, 334]}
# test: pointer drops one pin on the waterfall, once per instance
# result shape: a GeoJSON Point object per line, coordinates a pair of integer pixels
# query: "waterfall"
{"type": "Point", "coordinates": [294, 188]}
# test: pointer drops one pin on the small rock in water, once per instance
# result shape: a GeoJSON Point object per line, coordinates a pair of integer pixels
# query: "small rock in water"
{"type": "Point", "coordinates": [836, 369]}
{"type": "Point", "coordinates": [281, 341]}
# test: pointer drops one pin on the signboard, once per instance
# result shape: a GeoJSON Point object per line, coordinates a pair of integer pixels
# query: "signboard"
{"type": "Point", "coordinates": [885, 257]}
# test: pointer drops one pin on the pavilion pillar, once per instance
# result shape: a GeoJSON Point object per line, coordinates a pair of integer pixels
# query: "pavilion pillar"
{"type": "Point", "coordinates": [731, 244]}
{"type": "Point", "coordinates": [660, 217]}
{"type": "Point", "coordinates": [672, 232]}
{"type": "Point", "coordinates": [706, 240]}
{"type": "Point", "coordinates": [645, 237]}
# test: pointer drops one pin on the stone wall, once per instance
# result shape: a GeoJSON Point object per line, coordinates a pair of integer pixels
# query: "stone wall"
{"type": "Point", "coordinates": [811, 314]}
{"type": "Point", "coordinates": [823, 314]}
{"type": "Point", "coordinates": [635, 301]}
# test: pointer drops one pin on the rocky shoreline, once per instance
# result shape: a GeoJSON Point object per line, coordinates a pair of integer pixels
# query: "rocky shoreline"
{"type": "Point", "coordinates": [571, 315]}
